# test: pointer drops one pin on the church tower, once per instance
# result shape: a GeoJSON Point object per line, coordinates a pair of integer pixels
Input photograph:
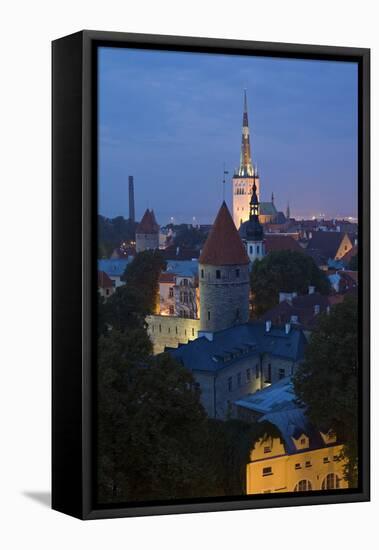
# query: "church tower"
{"type": "Point", "coordinates": [245, 176]}
{"type": "Point", "coordinates": [254, 231]}
{"type": "Point", "coordinates": [223, 276]}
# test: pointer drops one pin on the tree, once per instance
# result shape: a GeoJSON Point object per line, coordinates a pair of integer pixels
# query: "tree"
{"type": "Point", "coordinates": [189, 237]}
{"type": "Point", "coordinates": [327, 382]}
{"type": "Point", "coordinates": [284, 271]}
{"type": "Point", "coordinates": [151, 424]}
{"type": "Point", "coordinates": [112, 232]}
{"type": "Point", "coordinates": [142, 276]}
{"type": "Point", "coordinates": [353, 264]}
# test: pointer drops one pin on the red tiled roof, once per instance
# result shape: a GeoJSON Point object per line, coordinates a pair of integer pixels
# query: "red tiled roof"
{"type": "Point", "coordinates": [281, 242]}
{"type": "Point", "coordinates": [148, 224]}
{"type": "Point", "coordinates": [167, 278]}
{"type": "Point", "coordinates": [103, 281]}
{"type": "Point", "coordinates": [224, 245]}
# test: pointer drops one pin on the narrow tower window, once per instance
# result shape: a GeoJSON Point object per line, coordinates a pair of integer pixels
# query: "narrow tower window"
{"type": "Point", "coordinates": [209, 315]}
{"type": "Point", "coordinates": [218, 274]}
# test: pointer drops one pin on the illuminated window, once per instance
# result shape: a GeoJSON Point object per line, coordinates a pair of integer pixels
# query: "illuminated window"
{"type": "Point", "coordinates": [303, 485]}
{"type": "Point", "coordinates": [267, 471]}
{"type": "Point", "coordinates": [331, 481]}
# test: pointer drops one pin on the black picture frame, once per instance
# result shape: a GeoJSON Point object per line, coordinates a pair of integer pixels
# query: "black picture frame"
{"type": "Point", "coordinates": [74, 204]}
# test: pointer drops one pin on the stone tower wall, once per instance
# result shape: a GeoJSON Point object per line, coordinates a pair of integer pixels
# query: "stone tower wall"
{"type": "Point", "coordinates": [224, 300]}
{"type": "Point", "coordinates": [147, 241]}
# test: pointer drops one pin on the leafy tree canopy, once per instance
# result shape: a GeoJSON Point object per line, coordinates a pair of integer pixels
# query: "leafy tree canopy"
{"type": "Point", "coordinates": [353, 264]}
{"type": "Point", "coordinates": [151, 424]}
{"type": "Point", "coordinates": [327, 381]}
{"type": "Point", "coordinates": [189, 237]}
{"type": "Point", "coordinates": [112, 232]}
{"type": "Point", "coordinates": [284, 271]}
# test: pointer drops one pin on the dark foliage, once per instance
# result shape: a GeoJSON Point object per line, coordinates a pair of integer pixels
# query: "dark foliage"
{"type": "Point", "coordinates": [112, 232]}
{"type": "Point", "coordinates": [327, 381]}
{"type": "Point", "coordinates": [284, 271]}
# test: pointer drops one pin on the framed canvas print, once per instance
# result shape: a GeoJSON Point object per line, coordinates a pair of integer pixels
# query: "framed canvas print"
{"type": "Point", "coordinates": [210, 275]}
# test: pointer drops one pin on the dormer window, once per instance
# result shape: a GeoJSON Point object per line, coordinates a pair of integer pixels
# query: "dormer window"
{"type": "Point", "coordinates": [329, 437]}
{"type": "Point", "coordinates": [301, 442]}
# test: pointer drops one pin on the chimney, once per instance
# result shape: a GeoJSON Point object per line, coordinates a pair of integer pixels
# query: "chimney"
{"type": "Point", "coordinates": [311, 289]}
{"type": "Point", "coordinates": [268, 326]}
{"type": "Point", "coordinates": [288, 328]}
{"type": "Point", "coordinates": [132, 215]}
{"type": "Point", "coordinates": [287, 296]}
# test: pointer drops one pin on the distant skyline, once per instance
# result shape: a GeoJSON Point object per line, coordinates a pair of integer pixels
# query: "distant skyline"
{"type": "Point", "coordinates": [172, 119]}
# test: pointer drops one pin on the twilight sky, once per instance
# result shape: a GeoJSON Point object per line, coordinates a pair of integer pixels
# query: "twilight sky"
{"type": "Point", "coordinates": [172, 120]}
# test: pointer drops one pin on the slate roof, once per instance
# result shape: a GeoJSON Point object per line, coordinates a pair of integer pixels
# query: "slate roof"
{"type": "Point", "coordinates": [277, 397]}
{"type": "Point", "coordinates": [232, 344]}
{"type": "Point", "coordinates": [114, 267]}
{"type": "Point", "coordinates": [148, 224]}
{"type": "Point", "coordinates": [277, 404]}
{"type": "Point", "coordinates": [183, 268]}
{"type": "Point", "coordinates": [224, 245]}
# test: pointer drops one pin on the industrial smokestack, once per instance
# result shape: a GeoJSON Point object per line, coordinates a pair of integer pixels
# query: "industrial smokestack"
{"type": "Point", "coordinates": [132, 215]}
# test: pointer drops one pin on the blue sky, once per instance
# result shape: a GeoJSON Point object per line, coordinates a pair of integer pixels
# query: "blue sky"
{"type": "Point", "coordinates": [172, 119]}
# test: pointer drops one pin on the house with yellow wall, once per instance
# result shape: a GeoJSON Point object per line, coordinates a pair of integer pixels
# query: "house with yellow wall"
{"type": "Point", "coordinates": [297, 456]}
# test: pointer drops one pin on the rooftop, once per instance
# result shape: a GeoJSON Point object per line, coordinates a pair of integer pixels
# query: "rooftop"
{"type": "Point", "coordinates": [224, 245]}
{"type": "Point", "coordinates": [148, 224]}
{"type": "Point", "coordinates": [240, 341]}
{"type": "Point", "coordinates": [114, 267]}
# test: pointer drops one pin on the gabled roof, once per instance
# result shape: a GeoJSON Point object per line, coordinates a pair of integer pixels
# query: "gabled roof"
{"type": "Point", "coordinates": [148, 224]}
{"type": "Point", "coordinates": [224, 245]}
{"type": "Point", "coordinates": [267, 209]}
{"type": "Point", "coordinates": [302, 307]}
{"type": "Point", "coordinates": [326, 243]}
{"type": "Point", "coordinates": [281, 242]}
{"type": "Point", "coordinates": [237, 343]}
{"type": "Point", "coordinates": [103, 281]}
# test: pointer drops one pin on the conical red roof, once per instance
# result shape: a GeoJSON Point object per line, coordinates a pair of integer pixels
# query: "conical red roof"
{"type": "Point", "coordinates": [148, 224]}
{"type": "Point", "coordinates": [224, 245]}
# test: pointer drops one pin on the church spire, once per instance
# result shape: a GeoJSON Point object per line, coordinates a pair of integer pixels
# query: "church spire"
{"type": "Point", "coordinates": [254, 230]}
{"type": "Point", "coordinates": [246, 166]}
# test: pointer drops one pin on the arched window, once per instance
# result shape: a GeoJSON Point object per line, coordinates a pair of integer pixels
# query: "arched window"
{"type": "Point", "coordinates": [303, 485]}
{"type": "Point", "coordinates": [331, 481]}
